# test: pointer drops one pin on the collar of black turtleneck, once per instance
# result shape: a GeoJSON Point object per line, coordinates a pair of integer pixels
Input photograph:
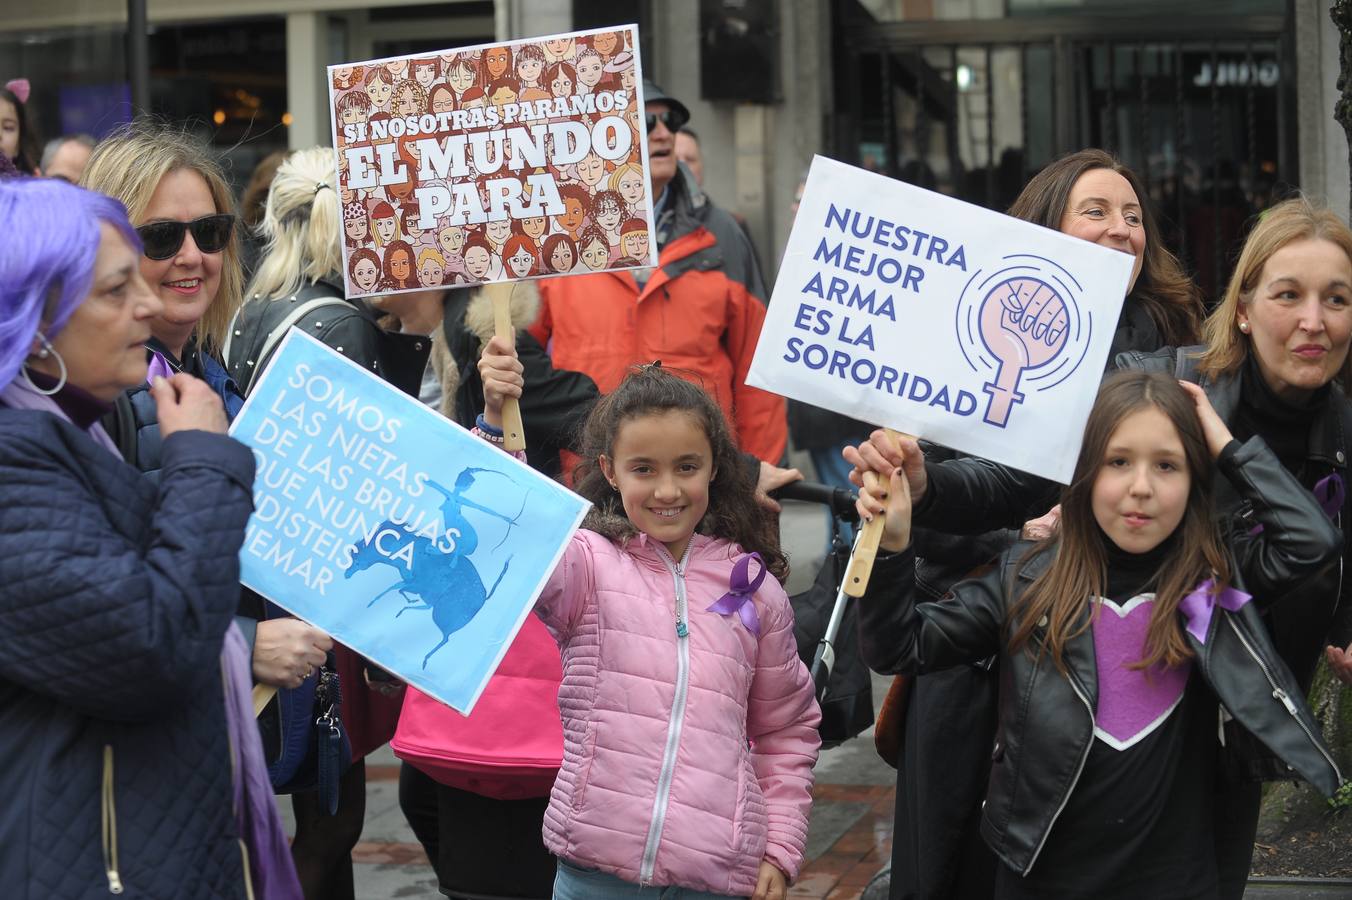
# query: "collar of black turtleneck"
{"type": "Point", "coordinates": [80, 406]}
{"type": "Point", "coordinates": [1130, 574]}
{"type": "Point", "coordinates": [1284, 426]}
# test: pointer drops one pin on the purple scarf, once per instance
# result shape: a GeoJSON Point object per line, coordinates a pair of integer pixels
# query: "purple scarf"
{"type": "Point", "coordinates": [271, 867]}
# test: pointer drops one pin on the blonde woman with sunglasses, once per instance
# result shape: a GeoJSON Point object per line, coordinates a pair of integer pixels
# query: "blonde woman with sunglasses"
{"type": "Point", "coordinates": [178, 200]}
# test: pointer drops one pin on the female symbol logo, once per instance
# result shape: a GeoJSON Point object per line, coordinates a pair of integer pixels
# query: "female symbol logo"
{"type": "Point", "coordinates": [1024, 323]}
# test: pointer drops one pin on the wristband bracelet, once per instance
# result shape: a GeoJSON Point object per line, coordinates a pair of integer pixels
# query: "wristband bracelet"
{"type": "Point", "coordinates": [482, 424]}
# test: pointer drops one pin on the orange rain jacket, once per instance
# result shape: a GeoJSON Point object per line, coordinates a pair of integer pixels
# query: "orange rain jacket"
{"type": "Point", "coordinates": [701, 311]}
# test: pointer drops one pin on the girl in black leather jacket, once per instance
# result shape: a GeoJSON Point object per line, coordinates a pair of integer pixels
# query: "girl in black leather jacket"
{"type": "Point", "coordinates": [1123, 643]}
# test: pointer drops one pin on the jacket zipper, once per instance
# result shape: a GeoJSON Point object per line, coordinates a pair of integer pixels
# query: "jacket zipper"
{"type": "Point", "coordinates": [1079, 770]}
{"type": "Point", "coordinates": [109, 823]}
{"type": "Point", "coordinates": [1282, 697]}
{"type": "Point", "coordinates": [668, 771]}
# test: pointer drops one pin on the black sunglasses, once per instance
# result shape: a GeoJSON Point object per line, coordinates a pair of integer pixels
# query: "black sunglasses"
{"type": "Point", "coordinates": [161, 240]}
{"type": "Point", "coordinates": [673, 118]}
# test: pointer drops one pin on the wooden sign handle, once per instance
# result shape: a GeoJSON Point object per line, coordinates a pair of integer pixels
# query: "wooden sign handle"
{"type": "Point", "coordinates": [514, 434]}
{"type": "Point", "coordinates": [866, 545]}
{"type": "Point", "coordinates": [262, 696]}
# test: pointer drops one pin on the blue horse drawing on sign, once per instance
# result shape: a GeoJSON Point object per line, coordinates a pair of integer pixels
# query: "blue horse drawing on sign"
{"type": "Point", "coordinates": [445, 582]}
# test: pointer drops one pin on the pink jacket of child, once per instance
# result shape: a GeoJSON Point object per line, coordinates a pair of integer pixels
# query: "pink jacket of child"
{"type": "Point", "coordinates": [687, 760]}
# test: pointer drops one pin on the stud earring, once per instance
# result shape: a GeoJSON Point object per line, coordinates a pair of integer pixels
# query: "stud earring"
{"type": "Point", "coordinates": [1244, 327]}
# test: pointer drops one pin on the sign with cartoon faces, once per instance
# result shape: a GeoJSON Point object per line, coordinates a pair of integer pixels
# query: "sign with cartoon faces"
{"type": "Point", "coordinates": [502, 162]}
{"type": "Point", "coordinates": [903, 307]}
{"type": "Point", "coordinates": [410, 540]}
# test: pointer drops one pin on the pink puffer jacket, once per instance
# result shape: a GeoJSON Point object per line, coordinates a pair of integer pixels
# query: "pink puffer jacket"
{"type": "Point", "coordinates": [686, 760]}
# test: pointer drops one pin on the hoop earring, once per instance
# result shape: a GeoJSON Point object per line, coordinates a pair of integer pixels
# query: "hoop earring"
{"type": "Point", "coordinates": [44, 352]}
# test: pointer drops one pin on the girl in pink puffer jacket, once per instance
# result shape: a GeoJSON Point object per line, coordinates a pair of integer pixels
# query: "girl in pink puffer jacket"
{"type": "Point", "coordinates": [690, 724]}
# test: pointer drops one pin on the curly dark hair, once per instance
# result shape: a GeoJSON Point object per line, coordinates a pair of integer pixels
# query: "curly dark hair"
{"type": "Point", "coordinates": [733, 512]}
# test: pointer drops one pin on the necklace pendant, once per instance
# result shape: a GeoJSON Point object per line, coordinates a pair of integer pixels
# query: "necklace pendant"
{"type": "Point", "coordinates": [681, 630]}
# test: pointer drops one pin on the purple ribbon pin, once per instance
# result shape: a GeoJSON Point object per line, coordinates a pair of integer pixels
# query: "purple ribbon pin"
{"type": "Point", "coordinates": [742, 588]}
{"type": "Point", "coordinates": [1329, 492]}
{"type": "Point", "coordinates": [1198, 606]}
{"type": "Point", "coordinates": [158, 366]}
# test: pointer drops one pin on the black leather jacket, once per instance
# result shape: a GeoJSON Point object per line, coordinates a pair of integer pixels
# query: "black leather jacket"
{"type": "Point", "coordinates": [970, 496]}
{"type": "Point", "coordinates": [352, 328]}
{"type": "Point", "coordinates": [1047, 718]}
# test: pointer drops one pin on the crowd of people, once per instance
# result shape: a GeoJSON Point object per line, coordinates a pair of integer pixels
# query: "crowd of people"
{"type": "Point", "coordinates": [1110, 670]}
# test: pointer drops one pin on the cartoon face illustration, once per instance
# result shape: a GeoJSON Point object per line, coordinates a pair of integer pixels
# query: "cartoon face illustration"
{"type": "Point", "coordinates": [627, 80]}
{"type": "Point", "coordinates": [591, 169]}
{"type": "Point", "coordinates": [562, 85]}
{"type": "Point", "coordinates": [497, 60]}
{"type": "Point", "coordinates": [366, 274]}
{"type": "Point", "coordinates": [411, 229]}
{"type": "Point", "coordinates": [461, 76]}
{"type": "Point", "coordinates": [503, 94]}
{"type": "Point", "coordinates": [400, 265]}
{"type": "Point", "coordinates": [606, 43]}
{"type": "Point", "coordinates": [385, 229]}
{"type": "Point", "coordinates": [397, 68]}
{"type": "Point", "coordinates": [431, 273]}
{"type": "Point", "coordinates": [451, 239]}
{"type": "Point", "coordinates": [631, 186]}
{"type": "Point", "coordinates": [477, 261]}
{"type": "Point", "coordinates": [535, 226]}
{"type": "Point", "coordinates": [573, 214]}
{"type": "Point", "coordinates": [342, 76]}
{"type": "Point", "coordinates": [561, 260]}
{"type": "Point", "coordinates": [476, 102]}
{"type": "Point", "coordinates": [528, 69]}
{"type": "Point", "coordinates": [406, 100]}
{"type": "Point", "coordinates": [379, 90]}
{"type": "Point", "coordinates": [589, 66]}
{"type": "Point", "coordinates": [425, 72]}
{"type": "Point", "coordinates": [353, 113]}
{"type": "Point", "coordinates": [608, 215]}
{"type": "Point", "coordinates": [356, 230]}
{"type": "Point", "coordinates": [559, 49]}
{"type": "Point", "coordinates": [521, 262]}
{"type": "Point", "coordinates": [635, 244]}
{"type": "Point", "coordinates": [595, 254]}
{"type": "Point", "coordinates": [498, 232]}
{"type": "Point", "coordinates": [442, 100]}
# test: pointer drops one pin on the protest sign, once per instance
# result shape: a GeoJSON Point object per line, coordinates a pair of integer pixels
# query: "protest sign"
{"type": "Point", "coordinates": [906, 308]}
{"type": "Point", "coordinates": [405, 537]}
{"type": "Point", "coordinates": [493, 163]}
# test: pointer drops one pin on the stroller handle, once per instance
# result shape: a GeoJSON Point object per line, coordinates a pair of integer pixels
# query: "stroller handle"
{"type": "Point", "coordinates": [838, 500]}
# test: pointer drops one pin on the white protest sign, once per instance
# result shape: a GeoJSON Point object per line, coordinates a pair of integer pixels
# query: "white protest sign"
{"type": "Point", "coordinates": [906, 308]}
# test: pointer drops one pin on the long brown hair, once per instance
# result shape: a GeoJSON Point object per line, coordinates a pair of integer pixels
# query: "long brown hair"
{"type": "Point", "coordinates": [1168, 295]}
{"type": "Point", "coordinates": [1079, 567]}
{"type": "Point", "coordinates": [733, 512]}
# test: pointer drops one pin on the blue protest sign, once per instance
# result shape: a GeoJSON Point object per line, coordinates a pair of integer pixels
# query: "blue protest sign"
{"type": "Point", "coordinates": [402, 535]}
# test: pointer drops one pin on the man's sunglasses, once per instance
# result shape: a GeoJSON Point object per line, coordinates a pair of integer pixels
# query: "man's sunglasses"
{"type": "Point", "coordinates": [673, 118]}
{"type": "Point", "coordinates": [161, 240]}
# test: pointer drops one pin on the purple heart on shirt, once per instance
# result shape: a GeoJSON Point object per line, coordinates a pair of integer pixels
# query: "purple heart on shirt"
{"type": "Point", "coordinates": [1131, 702]}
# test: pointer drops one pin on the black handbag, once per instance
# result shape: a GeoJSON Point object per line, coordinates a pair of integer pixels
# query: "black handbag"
{"type": "Point", "coordinates": [304, 742]}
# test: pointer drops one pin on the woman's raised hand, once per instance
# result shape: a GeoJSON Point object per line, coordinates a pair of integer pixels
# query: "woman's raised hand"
{"type": "Point", "coordinates": [185, 403]}
{"type": "Point", "coordinates": [1216, 431]}
{"type": "Point", "coordinates": [502, 376]}
{"type": "Point", "coordinates": [887, 494]}
{"type": "Point", "coordinates": [882, 453]}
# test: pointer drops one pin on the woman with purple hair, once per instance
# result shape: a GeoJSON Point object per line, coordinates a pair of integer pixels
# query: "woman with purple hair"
{"type": "Point", "coordinates": [118, 653]}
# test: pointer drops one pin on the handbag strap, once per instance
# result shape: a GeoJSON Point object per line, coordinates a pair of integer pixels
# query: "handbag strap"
{"type": "Point", "coordinates": [275, 336]}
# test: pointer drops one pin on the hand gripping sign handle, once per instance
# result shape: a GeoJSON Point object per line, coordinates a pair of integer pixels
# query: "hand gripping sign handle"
{"type": "Point", "coordinates": [866, 543]}
{"type": "Point", "coordinates": [514, 434]}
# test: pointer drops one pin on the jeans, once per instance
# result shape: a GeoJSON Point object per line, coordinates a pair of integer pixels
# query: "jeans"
{"type": "Point", "coordinates": [576, 883]}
